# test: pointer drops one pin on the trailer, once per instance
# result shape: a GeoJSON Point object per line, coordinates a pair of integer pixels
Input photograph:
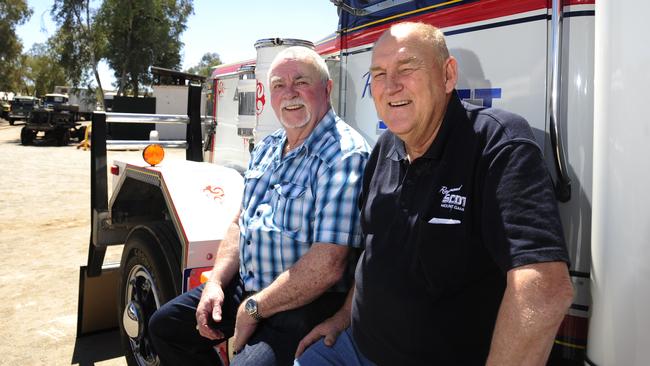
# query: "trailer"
{"type": "Point", "coordinates": [85, 100]}
{"type": "Point", "coordinates": [556, 63]}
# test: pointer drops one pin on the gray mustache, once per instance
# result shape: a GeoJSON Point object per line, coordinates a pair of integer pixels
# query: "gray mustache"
{"type": "Point", "coordinates": [294, 101]}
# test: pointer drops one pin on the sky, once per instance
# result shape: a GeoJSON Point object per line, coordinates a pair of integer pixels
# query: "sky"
{"type": "Point", "coordinates": [227, 27]}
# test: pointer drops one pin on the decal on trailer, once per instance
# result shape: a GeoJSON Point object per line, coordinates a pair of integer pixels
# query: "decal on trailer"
{"type": "Point", "coordinates": [260, 99]}
{"type": "Point", "coordinates": [216, 193]}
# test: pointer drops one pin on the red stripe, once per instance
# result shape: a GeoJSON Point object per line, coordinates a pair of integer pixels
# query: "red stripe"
{"type": "Point", "coordinates": [230, 68]}
{"type": "Point", "coordinates": [449, 17]}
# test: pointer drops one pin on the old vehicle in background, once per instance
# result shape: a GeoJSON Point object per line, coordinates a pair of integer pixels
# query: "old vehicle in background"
{"type": "Point", "coordinates": [21, 108]}
{"type": "Point", "coordinates": [84, 100]}
{"type": "Point", "coordinates": [54, 119]}
{"type": "Point", "coordinates": [5, 107]}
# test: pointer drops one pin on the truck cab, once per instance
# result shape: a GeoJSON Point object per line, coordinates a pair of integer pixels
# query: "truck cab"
{"type": "Point", "coordinates": [21, 108]}
{"type": "Point", "coordinates": [54, 101]}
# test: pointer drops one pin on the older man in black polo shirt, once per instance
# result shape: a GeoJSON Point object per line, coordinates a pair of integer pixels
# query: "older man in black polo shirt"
{"type": "Point", "coordinates": [465, 262]}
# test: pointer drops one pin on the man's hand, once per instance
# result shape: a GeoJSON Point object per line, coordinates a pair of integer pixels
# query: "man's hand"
{"type": "Point", "coordinates": [245, 326]}
{"type": "Point", "coordinates": [209, 307]}
{"type": "Point", "coordinates": [330, 329]}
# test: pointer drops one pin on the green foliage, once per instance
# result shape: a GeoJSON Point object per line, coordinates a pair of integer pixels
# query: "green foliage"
{"type": "Point", "coordinates": [12, 14]}
{"type": "Point", "coordinates": [204, 67]}
{"type": "Point", "coordinates": [41, 71]}
{"type": "Point", "coordinates": [78, 42]}
{"type": "Point", "coordinates": [140, 34]}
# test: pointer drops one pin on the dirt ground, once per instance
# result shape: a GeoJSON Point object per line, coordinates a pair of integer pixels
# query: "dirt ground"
{"type": "Point", "coordinates": [44, 234]}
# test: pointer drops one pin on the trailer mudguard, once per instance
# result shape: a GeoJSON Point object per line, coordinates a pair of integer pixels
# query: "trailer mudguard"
{"type": "Point", "coordinates": [200, 209]}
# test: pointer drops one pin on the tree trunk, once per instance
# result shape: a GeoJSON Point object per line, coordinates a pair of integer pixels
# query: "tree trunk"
{"type": "Point", "coordinates": [93, 57]}
{"type": "Point", "coordinates": [134, 85]}
{"type": "Point", "coordinates": [125, 64]}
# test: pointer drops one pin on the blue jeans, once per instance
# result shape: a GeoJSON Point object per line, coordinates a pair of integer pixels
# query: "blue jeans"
{"type": "Point", "coordinates": [177, 342]}
{"type": "Point", "coordinates": [343, 353]}
{"type": "Point", "coordinates": [172, 328]}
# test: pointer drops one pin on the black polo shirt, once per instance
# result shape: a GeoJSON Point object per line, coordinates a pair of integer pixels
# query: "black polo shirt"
{"type": "Point", "coordinates": [441, 233]}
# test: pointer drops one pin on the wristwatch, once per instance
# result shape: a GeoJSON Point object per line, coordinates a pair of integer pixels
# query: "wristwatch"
{"type": "Point", "coordinates": [251, 308]}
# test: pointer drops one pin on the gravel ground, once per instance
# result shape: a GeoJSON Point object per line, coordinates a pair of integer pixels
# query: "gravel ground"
{"type": "Point", "coordinates": [44, 233]}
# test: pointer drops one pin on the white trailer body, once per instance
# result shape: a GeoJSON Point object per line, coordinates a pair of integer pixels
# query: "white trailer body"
{"type": "Point", "coordinates": [85, 99]}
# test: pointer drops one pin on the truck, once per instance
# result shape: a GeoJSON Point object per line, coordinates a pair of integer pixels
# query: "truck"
{"type": "Point", "coordinates": [84, 99]}
{"type": "Point", "coordinates": [5, 104]}
{"type": "Point", "coordinates": [21, 108]}
{"type": "Point", "coordinates": [56, 119]}
{"type": "Point", "coordinates": [575, 69]}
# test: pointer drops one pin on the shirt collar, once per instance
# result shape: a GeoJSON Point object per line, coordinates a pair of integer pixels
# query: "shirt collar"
{"type": "Point", "coordinates": [323, 126]}
{"type": "Point", "coordinates": [398, 151]}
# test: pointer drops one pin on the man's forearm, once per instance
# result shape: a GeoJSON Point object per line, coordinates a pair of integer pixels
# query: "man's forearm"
{"type": "Point", "coordinates": [536, 299]}
{"type": "Point", "coordinates": [226, 263]}
{"type": "Point", "coordinates": [307, 279]}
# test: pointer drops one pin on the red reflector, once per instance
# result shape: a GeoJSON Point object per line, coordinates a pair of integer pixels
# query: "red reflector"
{"type": "Point", "coordinates": [194, 279]}
{"type": "Point", "coordinates": [115, 170]}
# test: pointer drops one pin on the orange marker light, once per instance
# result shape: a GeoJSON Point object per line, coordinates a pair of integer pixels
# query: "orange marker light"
{"type": "Point", "coordinates": [153, 154]}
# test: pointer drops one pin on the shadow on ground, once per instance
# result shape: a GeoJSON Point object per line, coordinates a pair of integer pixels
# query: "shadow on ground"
{"type": "Point", "coordinates": [90, 349]}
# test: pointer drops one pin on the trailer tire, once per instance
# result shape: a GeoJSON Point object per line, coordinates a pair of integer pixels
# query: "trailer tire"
{"type": "Point", "coordinates": [81, 133]}
{"type": "Point", "coordinates": [27, 136]}
{"type": "Point", "coordinates": [150, 276]}
{"type": "Point", "coordinates": [63, 137]}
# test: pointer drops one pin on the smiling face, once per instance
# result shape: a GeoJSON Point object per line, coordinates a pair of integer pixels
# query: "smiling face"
{"type": "Point", "coordinates": [411, 85]}
{"type": "Point", "coordinates": [299, 95]}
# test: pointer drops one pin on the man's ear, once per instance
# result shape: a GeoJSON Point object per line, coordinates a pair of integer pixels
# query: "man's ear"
{"type": "Point", "coordinates": [451, 74]}
{"type": "Point", "coordinates": [328, 88]}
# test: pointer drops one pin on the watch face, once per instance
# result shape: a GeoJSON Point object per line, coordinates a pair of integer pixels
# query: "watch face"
{"type": "Point", "coordinates": [251, 306]}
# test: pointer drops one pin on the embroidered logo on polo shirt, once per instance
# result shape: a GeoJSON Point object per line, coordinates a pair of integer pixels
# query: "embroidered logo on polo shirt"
{"type": "Point", "coordinates": [451, 199]}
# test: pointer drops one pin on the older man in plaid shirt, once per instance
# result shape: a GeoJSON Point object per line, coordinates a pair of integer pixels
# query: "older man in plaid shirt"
{"type": "Point", "coordinates": [286, 264]}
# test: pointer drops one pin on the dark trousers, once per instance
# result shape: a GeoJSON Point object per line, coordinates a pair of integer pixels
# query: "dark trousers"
{"type": "Point", "coordinates": [177, 342]}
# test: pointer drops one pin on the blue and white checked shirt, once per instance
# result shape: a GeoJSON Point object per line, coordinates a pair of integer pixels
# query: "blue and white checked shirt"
{"type": "Point", "coordinates": [308, 196]}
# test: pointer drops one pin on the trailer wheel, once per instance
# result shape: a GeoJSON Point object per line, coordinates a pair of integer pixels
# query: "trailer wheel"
{"type": "Point", "coordinates": [63, 137]}
{"type": "Point", "coordinates": [27, 136]}
{"type": "Point", "coordinates": [148, 270]}
{"type": "Point", "coordinates": [81, 133]}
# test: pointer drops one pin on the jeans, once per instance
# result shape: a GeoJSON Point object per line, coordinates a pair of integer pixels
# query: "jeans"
{"type": "Point", "coordinates": [343, 353]}
{"type": "Point", "coordinates": [173, 330]}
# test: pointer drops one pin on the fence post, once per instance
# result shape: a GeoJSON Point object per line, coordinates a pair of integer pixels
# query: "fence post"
{"type": "Point", "coordinates": [98, 190]}
{"type": "Point", "coordinates": [194, 150]}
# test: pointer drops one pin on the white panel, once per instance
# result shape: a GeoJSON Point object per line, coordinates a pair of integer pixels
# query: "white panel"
{"type": "Point", "coordinates": [171, 99]}
{"type": "Point", "coordinates": [576, 119]}
{"type": "Point", "coordinates": [230, 149]}
{"type": "Point", "coordinates": [511, 59]}
{"type": "Point", "coordinates": [619, 331]}
{"type": "Point", "coordinates": [358, 108]}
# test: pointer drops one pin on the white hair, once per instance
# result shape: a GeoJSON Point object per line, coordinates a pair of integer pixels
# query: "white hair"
{"type": "Point", "coordinates": [304, 54]}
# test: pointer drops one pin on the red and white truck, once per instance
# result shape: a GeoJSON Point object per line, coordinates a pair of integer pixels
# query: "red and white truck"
{"type": "Point", "coordinates": [575, 69]}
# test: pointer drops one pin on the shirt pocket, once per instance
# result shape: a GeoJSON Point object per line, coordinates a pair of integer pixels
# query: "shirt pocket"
{"type": "Point", "coordinates": [251, 178]}
{"type": "Point", "coordinates": [289, 206]}
{"type": "Point", "coordinates": [442, 249]}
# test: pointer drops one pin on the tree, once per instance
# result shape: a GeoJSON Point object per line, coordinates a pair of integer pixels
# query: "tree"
{"type": "Point", "coordinates": [204, 67]}
{"type": "Point", "coordinates": [79, 42]}
{"type": "Point", "coordinates": [41, 71]}
{"type": "Point", "coordinates": [142, 33]}
{"type": "Point", "coordinates": [12, 14]}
